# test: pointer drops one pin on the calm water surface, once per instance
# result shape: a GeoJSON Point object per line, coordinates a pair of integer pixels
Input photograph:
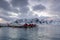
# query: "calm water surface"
{"type": "Point", "coordinates": [41, 32]}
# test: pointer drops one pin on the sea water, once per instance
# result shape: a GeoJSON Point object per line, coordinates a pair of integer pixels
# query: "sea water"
{"type": "Point", "coordinates": [41, 32]}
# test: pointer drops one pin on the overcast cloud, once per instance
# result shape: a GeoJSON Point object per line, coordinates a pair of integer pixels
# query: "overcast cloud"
{"type": "Point", "coordinates": [15, 9]}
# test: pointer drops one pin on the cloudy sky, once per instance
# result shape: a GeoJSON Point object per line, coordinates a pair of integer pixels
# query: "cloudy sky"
{"type": "Point", "coordinates": [15, 9]}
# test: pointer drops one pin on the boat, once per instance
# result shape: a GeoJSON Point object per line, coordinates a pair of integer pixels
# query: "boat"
{"type": "Point", "coordinates": [29, 25]}
{"type": "Point", "coordinates": [25, 26]}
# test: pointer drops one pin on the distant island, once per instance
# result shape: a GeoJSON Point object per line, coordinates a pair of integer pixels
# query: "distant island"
{"type": "Point", "coordinates": [20, 22]}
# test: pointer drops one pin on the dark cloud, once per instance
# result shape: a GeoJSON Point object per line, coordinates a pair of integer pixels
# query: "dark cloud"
{"type": "Point", "coordinates": [22, 4]}
{"type": "Point", "coordinates": [39, 7]}
{"type": "Point", "coordinates": [14, 10]}
{"type": "Point", "coordinates": [3, 12]}
{"type": "Point", "coordinates": [6, 15]}
{"type": "Point", "coordinates": [24, 10]}
{"type": "Point", "coordinates": [55, 7]}
{"type": "Point", "coordinates": [4, 5]}
{"type": "Point", "coordinates": [5, 8]}
{"type": "Point", "coordinates": [19, 3]}
{"type": "Point", "coordinates": [35, 1]}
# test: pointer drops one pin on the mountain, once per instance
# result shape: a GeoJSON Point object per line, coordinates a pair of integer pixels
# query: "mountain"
{"type": "Point", "coordinates": [34, 20]}
{"type": "Point", "coordinates": [41, 20]}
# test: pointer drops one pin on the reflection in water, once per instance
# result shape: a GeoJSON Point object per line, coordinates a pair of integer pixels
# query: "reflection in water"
{"type": "Point", "coordinates": [43, 32]}
{"type": "Point", "coordinates": [3, 34]}
{"type": "Point", "coordinates": [18, 33]}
